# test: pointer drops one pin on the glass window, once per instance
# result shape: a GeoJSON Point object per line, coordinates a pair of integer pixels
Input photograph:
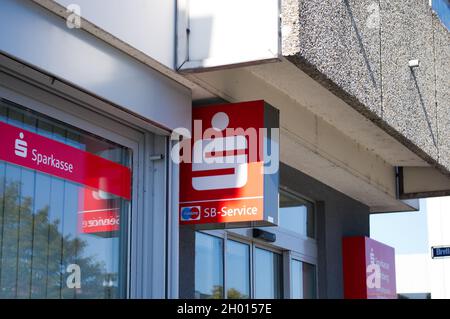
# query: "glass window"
{"type": "Point", "coordinates": [238, 270]}
{"type": "Point", "coordinates": [303, 280]}
{"type": "Point", "coordinates": [296, 279]}
{"type": "Point", "coordinates": [296, 214]}
{"type": "Point", "coordinates": [268, 276]}
{"type": "Point", "coordinates": [52, 244]}
{"type": "Point", "coordinates": [239, 267]}
{"type": "Point", "coordinates": [208, 266]}
{"type": "Point", "coordinates": [309, 281]}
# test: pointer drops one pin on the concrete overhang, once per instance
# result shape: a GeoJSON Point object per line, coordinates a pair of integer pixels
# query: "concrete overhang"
{"type": "Point", "coordinates": [321, 135]}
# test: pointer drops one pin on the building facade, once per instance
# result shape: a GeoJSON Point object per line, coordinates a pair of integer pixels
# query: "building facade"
{"type": "Point", "coordinates": [91, 94]}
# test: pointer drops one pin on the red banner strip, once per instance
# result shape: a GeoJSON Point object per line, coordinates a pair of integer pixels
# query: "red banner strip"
{"type": "Point", "coordinates": [34, 151]}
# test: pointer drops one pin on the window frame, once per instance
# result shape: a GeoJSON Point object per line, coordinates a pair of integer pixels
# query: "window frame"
{"type": "Point", "coordinates": [250, 264]}
{"type": "Point", "coordinates": [289, 244]}
{"type": "Point", "coordinates": [23, 103]}
{"type": "Point", "coordinates": [303, 259]}
{"type": "Point", "coordinates": [225, 236]}
{"type": "Point", "coordinates": [274, 251]}
{"type": "Point", "coordinates": [223, 253]}
{"type": "Point", "coordinates": [145, 174]}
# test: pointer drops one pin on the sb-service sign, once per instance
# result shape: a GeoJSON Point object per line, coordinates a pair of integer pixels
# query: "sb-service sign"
{"type": "Point", "coordinates": [232, 175]}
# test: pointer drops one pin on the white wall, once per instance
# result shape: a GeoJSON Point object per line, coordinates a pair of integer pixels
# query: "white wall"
{"type": "Point", "coordinates": [223, 32]}
{"type": "Point", "coordinates": [412, 273]}
{"type": "Point", "coordinates": [147, 25]}
{"type": "Point", "coordinates": [40, 38]}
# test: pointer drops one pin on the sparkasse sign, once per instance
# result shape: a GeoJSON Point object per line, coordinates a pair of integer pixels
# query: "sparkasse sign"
{"type": "Point", "coordinates": [232, 176]}
{"type": "Point", "coordinates": [33, 151]}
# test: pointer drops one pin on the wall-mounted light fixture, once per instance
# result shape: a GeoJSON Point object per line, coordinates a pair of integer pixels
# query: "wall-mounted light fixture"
{"type": "Point", "coordinates": [414, 63]}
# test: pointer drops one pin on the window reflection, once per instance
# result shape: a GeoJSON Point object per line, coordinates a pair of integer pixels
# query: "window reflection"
{"type": "Point", "coordinates": [266, 268]}
{"type": "Point", "coordinates": [268, 276]}
{"type": "Point", "coordinates": [238, 270]}
{"type": "Point", "coordinates": [208, 266]}
{"type": "Point", "coordinates": [296, 215]}
{"type": "Point", "coordinates": [42, 246]}
{"type": "Point", "coordinates": [303, 280]}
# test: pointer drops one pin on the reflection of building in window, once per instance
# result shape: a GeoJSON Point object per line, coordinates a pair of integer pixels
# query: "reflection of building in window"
{"type": "Point", "coordinates": [110, 284]}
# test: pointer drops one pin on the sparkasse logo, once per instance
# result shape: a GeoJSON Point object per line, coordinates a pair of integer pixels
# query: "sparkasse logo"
{"type": "Point", "coordinates": [190, 213]}
{"type": "Point", "coordinates": [21, 146]}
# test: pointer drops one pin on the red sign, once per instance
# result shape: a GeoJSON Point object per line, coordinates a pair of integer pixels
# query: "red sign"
{"type": "Point", "coordinates": [34, 151]}
{"type": "Point", "coordinates": [225, 181]}
{"type": "Point", "coordinates": [98, 213]}
{"type": "Point", "coordinates": [369, 269]}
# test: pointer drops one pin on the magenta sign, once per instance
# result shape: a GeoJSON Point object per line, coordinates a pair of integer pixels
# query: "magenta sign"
{"type": "Point", "coordinates": [380, 261]}
{"type": "Point", "coordinates": [369, 269]}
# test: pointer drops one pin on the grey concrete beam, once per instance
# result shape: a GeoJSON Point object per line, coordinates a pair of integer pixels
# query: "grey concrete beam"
{"type": "Point", "coordinates": [442, 62]}
{"type": "Point", "coordinates": [409, 93]}
{"type": "Point", "coordinates": [312, 145]}
{"type": "Point", "coordinates": [338, 44]}
{"type": "Point", "coordinates": [419, 182]}
{"type": "Point", "coordinates": [360, 50]}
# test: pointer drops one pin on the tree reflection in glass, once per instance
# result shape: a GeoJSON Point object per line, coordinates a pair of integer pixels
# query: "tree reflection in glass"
{"type": "Point", "coordinates": [34, 253]}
